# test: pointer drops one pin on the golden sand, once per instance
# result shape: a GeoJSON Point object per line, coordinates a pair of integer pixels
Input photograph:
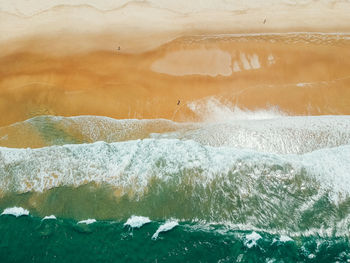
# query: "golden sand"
{"type": "Point", "coordinates": [299, 73]}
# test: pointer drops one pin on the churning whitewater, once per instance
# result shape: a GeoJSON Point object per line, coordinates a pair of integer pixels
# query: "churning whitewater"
{"type": "Point", "coordinates": [264, 180]}
{"type": "Point", "coordinates": [267, 171]}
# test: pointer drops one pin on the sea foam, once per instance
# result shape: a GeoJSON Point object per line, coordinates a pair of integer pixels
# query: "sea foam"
{"type": "Point", "coordinates": [214, 110]}
{"type": "Point", "coordinates": [283, 135]}
{"type": "Point", "coordinates": [251, 239]}
{"type": "Point", "coordinates": [165, 227]}
{"type": "Point", "coordinates": [284, 238]}
{"type": "Point", "coordinates": [137, 221]}
{"type": "Point", "coordinates": [51, 217]}
{"type": "Point", "coordinates": [15, 211]}
{"type": "Point", "coordinates": [131, 165]}
{"type": "Point", "coordinates": [261, 130]}
{"type": "Point", "coordinates": [87, 221]}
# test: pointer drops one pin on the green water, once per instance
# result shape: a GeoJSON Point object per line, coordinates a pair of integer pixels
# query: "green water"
{"type": "Point", "coordinates": [29, 239]}
{"type": "Point", "coordinates": [239, 192]}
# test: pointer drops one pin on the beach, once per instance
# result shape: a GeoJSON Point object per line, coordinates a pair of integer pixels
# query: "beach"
{"type": "Point", "coordinates": [174, 131]}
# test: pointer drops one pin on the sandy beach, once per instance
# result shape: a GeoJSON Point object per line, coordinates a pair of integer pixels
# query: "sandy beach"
{"type": "Point", "coordinates": [78, 59]}
{"type": "Point", "coordinates": [236, 70]}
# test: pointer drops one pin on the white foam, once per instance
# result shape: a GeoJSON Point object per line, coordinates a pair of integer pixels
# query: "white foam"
{"type": "Point", "coordinates": [137, 221]}
{"type": "Point", "coordinates": [87, 221]}
{"type": "Point", "coordinates": [251, 239]}
{"type": "Point", "coordinates": [165, 227]}
{"type": "Point", "coordinates": [311, 256]}
{"type": "Point", "coordinates": [16, 211]}
{"type": "Point", "coordinates": [284, 238]}
{"type": "Point", "coordinates": [331, 167]}
{"type": "Point", "coordinates": [282, 135]}
{"type": "Point", "coordinates": [51, 217]}
{"type": "Point", "coordinates": [224, 125]}
{"type": "Point", "coordinates": [132, 165]}
{"type": "Point", "coordinates": [214, 110]}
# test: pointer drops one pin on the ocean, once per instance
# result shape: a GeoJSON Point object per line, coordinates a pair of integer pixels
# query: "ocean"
{"type": "Point", "coordinates": [258, 187]}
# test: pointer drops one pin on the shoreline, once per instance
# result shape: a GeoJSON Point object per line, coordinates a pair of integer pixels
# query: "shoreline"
{"type": "Point", "coordinates": [249, 72]}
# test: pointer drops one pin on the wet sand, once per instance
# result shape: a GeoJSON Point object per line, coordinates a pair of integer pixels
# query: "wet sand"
{"type": "Point", "coordinates": [299, 73]}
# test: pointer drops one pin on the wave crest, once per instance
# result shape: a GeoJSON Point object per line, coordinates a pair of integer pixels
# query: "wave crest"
{"type": "Point", "coordinates": [164, 178]}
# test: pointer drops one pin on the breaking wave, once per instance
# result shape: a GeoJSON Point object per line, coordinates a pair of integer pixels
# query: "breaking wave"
{"type": "Point", "coordinates": [166, 178]}
{"type": "Point", "coordinates": [259, 131]}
